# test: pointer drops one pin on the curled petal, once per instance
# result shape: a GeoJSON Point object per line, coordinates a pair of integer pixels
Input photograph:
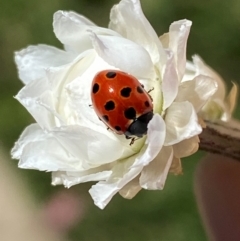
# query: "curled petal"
{"type": "Point", "coordinates": [72, 30]}
{"type": "Point", "coordinates": [155, 140]}
{"type": "Point", "coordinates": [186, 147]}
{"type": "Point", "coordinates": [111, 50]}
{"type": "Point", "coordinates": [154, 175]}
{"type": "Point", "coordinates": [169, 82]}
{"type": "Point", "coordinates": [181, 122]}
{"type": "Point", "coordinates": [176, 166]}
{"type": "Point", "coordinates": [178, 35]}
{"type": "Point", "coordinates": [231, 99]}
{"type": "Point", "coordinates": [130, 168]}
{"type": "Point", "coordinates": [197, 91]}
{"type": "Point", "coordinates": [122, 173]}
{"type": "Point", "coordinates": [203, 69]}
{"type": "Point", "coordinates": [33, 61]}
{"type": "Point", "coordinates": [131, 189]}
{"type": "Point", "coordinates": [128, 19]}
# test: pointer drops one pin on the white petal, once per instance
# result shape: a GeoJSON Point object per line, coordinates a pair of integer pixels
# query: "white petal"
{"type": "Point", "coordinates": [186, 147]}
{"type": "Point", "coordinates": [178, 35]}
{"type": "Point", "coordinates": [127, 170]}
{"type": "Point", "coordinates": [71, 148]}
{"type": "Point", "coordinates": [181, 122]}
{"type": "Point", "coordinates": [202, 68]}
{"type": "Point", "coordinates": [72, 30]}
{"type": "Point", "coordinates": [123, 173]}
{"type": "Point", "coordinates": [154, 175]}
{"type": "Point", "coordinates": [47, 99]}
{"type": "Point", "coordinates": [33, 61]}
{"type": "Point", "coordinates": [31, 133]}
{"type": "Point", "coordinates": [37, 98]}
{"type": "Point", "coordinates": [165, 40]}
{"type": "Point", "coordinates": [128, 19]}
{"type": "Point", "coordinates": [155, 139]}
{"type": "Point", "coordinates": [69, 179]}
{"type": "Point", "coordinates": [57, 178]}
{"type": "Point", "coordinates": [130, 190]}
{"type": "Point", "coordinates": [169, 82]}
{"type": "Point", "coordinates": [90, 146]}
{"type": "Point", "coordinates": [197, 91]}
{"type": "Point", "coordinates": [123, 54]}
{"type": "Point", "coordinates": [60, 78]}
{"type": "Point", "coordinates": [39, 150]}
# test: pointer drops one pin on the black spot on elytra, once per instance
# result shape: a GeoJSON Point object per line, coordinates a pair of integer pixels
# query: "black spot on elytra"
{"type": "Point", "coordinates": [95, 88]}
{"type": "Point", "coordinates": [125, 92]}
{"type": "Point", "coordinates": [111, 74]}
{"type": "Point", "coordinates": [117, 128]}
{"type": "Point", "coordinates": [130, 113]}
{"type": "Point", "coordinates": [147, 103]}
{"type": "Point", "coordinates": [110, 105]}
{"type": "Point", "coordinates": [105, 118]}
{"type": "Point", "coordinates": [140, 89]}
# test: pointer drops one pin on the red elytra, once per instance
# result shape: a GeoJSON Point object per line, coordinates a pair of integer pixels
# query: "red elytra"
{"type": "Point", "coordinates": [121, 102]}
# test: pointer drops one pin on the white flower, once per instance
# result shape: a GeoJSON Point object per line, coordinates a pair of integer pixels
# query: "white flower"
{"type": "Point", "coordinates": [70, 141]}
{"type": "Point", "coordinates": [219, 106]}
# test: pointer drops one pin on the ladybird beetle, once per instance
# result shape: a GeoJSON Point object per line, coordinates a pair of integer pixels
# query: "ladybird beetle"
{"type": "Point", "coordinates": [121, 102]}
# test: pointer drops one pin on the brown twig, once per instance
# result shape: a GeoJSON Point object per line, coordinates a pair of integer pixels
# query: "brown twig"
{"type": "Point", "coordinates": [222, 138]}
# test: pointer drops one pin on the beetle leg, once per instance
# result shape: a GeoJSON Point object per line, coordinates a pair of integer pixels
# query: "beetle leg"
{"type": "Point", "coordinates": [150, 90]}
{"type": "Point", "coordinates": [133, 139]}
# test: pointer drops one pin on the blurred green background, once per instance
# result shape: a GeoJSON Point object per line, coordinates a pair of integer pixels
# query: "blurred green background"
{"type": "Point", "coordinates": [166, 215]}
